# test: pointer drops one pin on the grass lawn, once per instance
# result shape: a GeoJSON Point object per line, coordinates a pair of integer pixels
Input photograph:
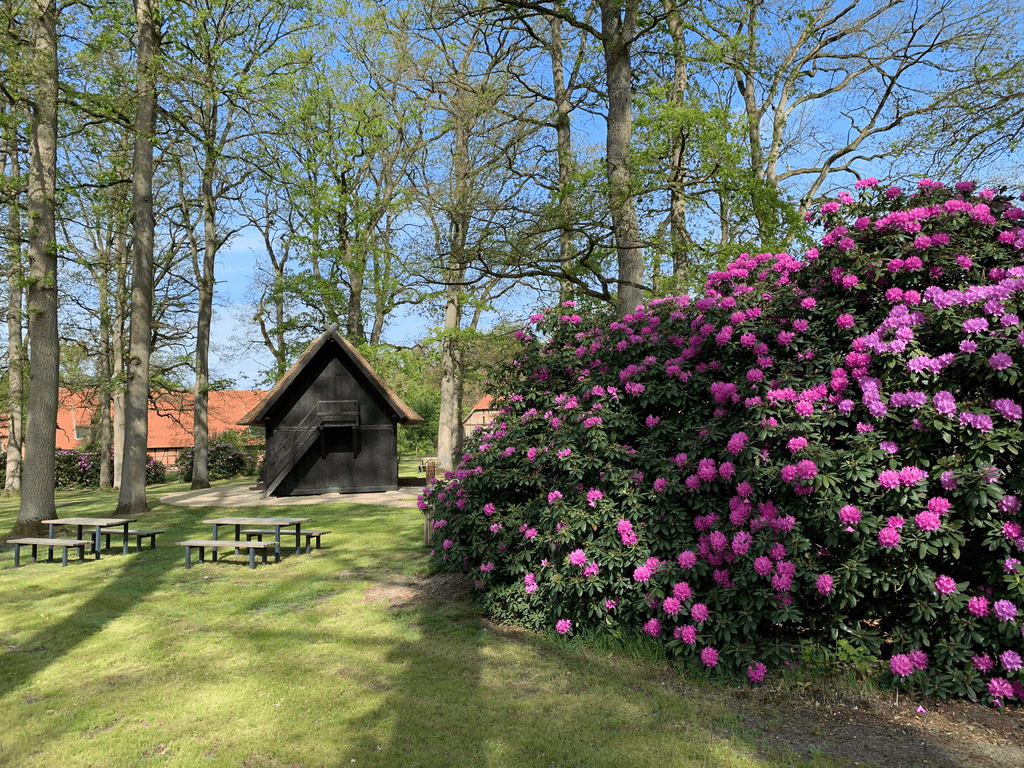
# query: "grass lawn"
{"type": "Point", "coordinates": [132, 660]}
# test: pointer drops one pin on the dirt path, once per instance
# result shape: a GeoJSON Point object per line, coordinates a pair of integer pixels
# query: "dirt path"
{"type": "Point", "coordinates": [247, 496]}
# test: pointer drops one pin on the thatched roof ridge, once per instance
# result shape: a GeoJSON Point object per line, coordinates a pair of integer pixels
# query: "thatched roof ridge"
{"type": "Point", "coordinates": [405, 414]}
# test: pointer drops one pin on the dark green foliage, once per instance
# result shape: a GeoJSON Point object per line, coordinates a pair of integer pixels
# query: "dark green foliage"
{"type": "Point", "coordinates": [225, 461]}
{"type": "Point", "coordinates": [81, 469]}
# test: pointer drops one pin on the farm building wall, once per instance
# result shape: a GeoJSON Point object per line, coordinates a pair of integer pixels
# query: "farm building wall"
{"type": "Point", "coordinates": [345, 437]}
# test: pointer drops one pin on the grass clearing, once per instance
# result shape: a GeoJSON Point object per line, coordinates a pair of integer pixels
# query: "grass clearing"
{"type": "Point", "coordinates": [132, 660]}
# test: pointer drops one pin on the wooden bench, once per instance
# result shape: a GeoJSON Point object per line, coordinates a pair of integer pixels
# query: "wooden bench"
{"type": "Point", "coordinates": [259, 533]}
{"type": "Point", "coordinates": [139, 536]}
{"type": "Point", "coordinates": [214, 544]}
{"type": "Point", "coordinates": [79, 544]}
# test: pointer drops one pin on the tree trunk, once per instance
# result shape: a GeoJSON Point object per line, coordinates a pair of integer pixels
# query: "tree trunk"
{"type": "Point", "coordinates": [618, 26]}
{"type": "Point", "coordinates": [15, 347]}
{"type": "Point", "coordinates": [106, 480]}
{"type": "Point", "coordinates": [449, 423]}
{"type": "Point", "coordinates": [679, 234]}
{"type": "Point", "coordinates": [563, 138]}
{"type": "Point", "coordinates": [449, 430]}
{"type": "Point", "coordinates": [117, 352]}
{"type": "Point", "coordinates": [132, 497]}
{"type": "Point", "coordinates": [201, 400]}
{"type": "Point", "coordinates": [38, 476]}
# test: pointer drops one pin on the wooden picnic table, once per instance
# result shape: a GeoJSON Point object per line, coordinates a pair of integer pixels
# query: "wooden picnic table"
{"type": "Point", "coordinates": [97, 523]}
{"type": "Point", "coordinates": [276, 522]}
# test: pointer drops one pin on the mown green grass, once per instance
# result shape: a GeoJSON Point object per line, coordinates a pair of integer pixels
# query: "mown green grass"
{"type": "Point", "coordinates": [132, 660]}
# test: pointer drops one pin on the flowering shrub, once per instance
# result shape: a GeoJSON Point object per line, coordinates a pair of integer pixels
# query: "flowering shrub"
{"type": "Point", "coordinates": [225, 461]}
{"type": "Point", "coordinates": [818, 448]}
{"type": "Point", "coordinates": [81, 469]}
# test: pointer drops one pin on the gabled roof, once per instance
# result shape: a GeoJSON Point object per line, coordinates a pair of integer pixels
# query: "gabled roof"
{"type": "Point", "coordinates": [405, 414]}
{"type": "Point", "coordinates": [170, 416]}
{"type": "Point", "coordinates": [485, 403]}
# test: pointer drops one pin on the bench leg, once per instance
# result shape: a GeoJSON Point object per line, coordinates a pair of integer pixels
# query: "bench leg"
{"type": "Point", "coordinates": [264, 553]}
{"type": "Point", "coordinates": [17, 555]}
{"type": "Point", "coordinates": [188, 558]}
{"type": "Point", "coordinates": [49, 556]}
{"type": "Point", "coordinates": [152, 541]}
{"type": "Point", "coordinates": [81, 553]}
{"type": "Point", "coordinates": [213, 554]}
{"type": "Point", "coordinates": [35, 553]}
{"type": "Point", "coordinates": [64, 558]}
{"type": "Point", "coordinates": [252, 557]}
{"type": "Point", "coordinates": [107, 544]}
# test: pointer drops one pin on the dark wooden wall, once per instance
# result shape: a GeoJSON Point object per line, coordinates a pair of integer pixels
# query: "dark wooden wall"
{"type": "Point", "coordinates": [344, 458]}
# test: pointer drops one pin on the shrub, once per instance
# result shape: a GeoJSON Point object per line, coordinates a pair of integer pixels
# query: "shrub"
{"type": "Point", "coordinates": [817, 449]}
{"type": "Point", "coordinates": [81, 469]}
{"type": "Point", "coordinates": [225, 461]}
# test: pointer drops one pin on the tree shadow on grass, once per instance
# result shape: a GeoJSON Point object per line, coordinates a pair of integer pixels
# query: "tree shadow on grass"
{"type": "Point", "coordinates": [430, 719]}
{"type": "Point", "coordinates": [140, 573]}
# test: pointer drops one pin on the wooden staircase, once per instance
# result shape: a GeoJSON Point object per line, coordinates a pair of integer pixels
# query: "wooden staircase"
{"type": "Point", "coordinates": [289, 445]}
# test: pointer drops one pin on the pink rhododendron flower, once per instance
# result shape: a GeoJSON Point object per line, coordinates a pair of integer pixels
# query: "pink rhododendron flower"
{"type": "Point", "coordinates": [901, 666]}
{"type": "Point", "coordinates": [625, 529]}
{"type": "Point", "coordinates": [945, 585]}
{"type": "Point", "coordinates": [983, 663]}
{"type": "Point", "coordinates": [642, 574]}
{"type": "Point", "coordinates": [1005, 610]}
{"type": "Point", "coordinates": [563, 626]}
{"type": "Point", "coordinates": [919, 659]}
{"type": "Point", "coordinates": [699, 612]}
{"type": "Point", "coordinates": [999, 688]}
{"type": "Point", "coordinates": [978, 605]}
{"type": "Point", "coordinates": [554, 496]}
{"type": "Point", "coordinates": [888, 537]}
{"type": "Point", "coordinates": [1000, 361]}
{"type": "Point", "coordinates": [796, 444]}
{"type": "Point", "coordinates": [709, 656]}
{"type": "Point", "coordinates": [686, 559]}
{"type": "Point", "coordinates": [687, 633]}
{"type": "Point", "coordinates": [763, 565]}
{"type": "Point", "coordinates": [756, 672]}
{"type": "Point", "coordinates": [681, 591]}
{"type": "Point", "coordinates": [671, 606]}
{"type": "Point", "coordinates": [577, 557]}
{"type": "Point", "coordinates": [927, 521]}
{"type": "Point", "coordinates": [849, 515]}
{"type": "Point", "coordinates": [889, 478]}
{"type": "Point", "coordinates": [825, 584]}
{"type": "Point", "coordinates": [652, 627]}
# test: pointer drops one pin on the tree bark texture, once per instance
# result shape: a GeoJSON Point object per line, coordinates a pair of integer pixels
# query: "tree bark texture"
{"type": "Point", "coordinates": [15, 339]}
{"type": "Point", "coordinates": [132, 497]}
{"type": "Point", "coordinates": [38, 475]}
{"type": "Point", "coordinates": [618, 26]}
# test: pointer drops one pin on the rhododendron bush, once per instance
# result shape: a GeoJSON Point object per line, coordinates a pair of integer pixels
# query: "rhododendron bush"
{"type": "Point", "coordinates": [821, 447]}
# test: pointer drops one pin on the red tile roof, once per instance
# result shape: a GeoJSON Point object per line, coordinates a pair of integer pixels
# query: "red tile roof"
{"type": "Point", "coordinates": [170, 416]}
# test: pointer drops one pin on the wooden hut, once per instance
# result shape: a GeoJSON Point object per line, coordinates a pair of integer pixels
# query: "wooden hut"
{"type": "Point", "coordinates": [331, 424]}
